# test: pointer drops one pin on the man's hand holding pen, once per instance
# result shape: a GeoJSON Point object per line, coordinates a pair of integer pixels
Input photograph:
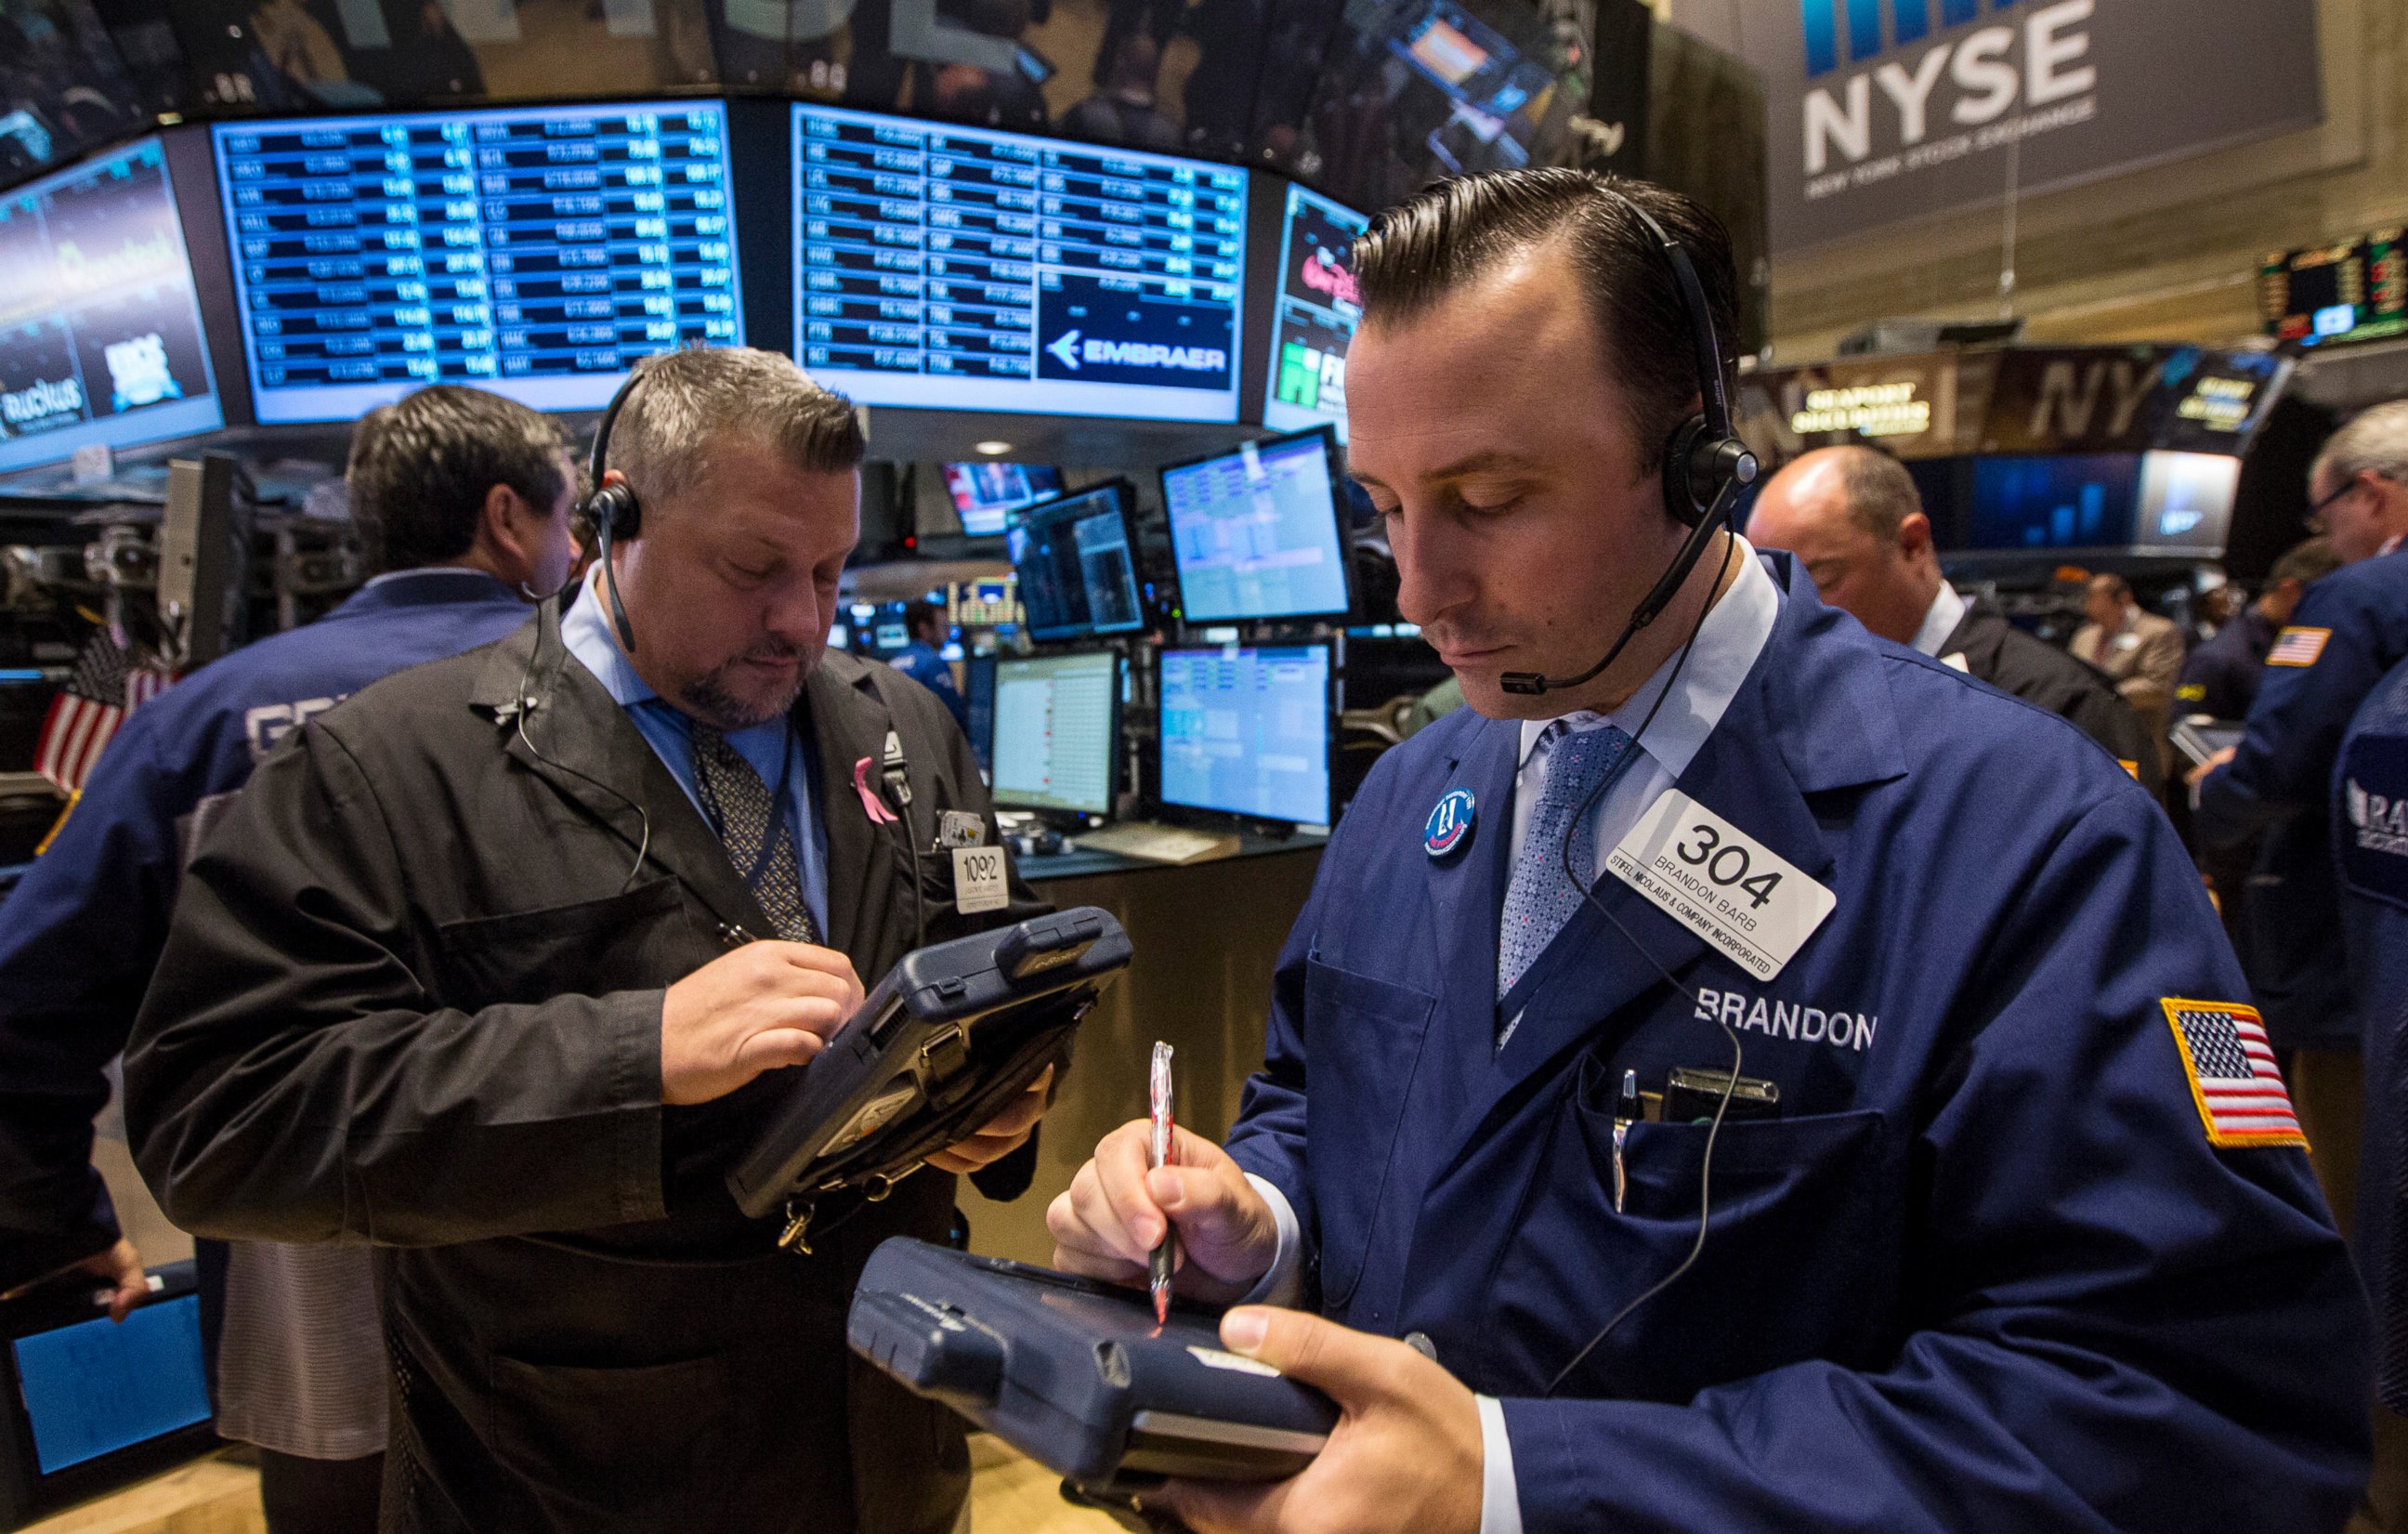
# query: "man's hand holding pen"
{"type": "Point", "coordinates": [1119, 1207]}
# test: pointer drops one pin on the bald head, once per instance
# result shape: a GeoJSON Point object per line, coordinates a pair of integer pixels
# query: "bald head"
{"type": "Point", "coordinates": [1852, 516]}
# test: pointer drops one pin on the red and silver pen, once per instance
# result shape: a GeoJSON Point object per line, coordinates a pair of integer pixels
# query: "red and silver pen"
{"type": "Point", "coordinates": [1161, 1152]}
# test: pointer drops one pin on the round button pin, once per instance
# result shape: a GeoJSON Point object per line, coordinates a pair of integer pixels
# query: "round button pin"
{"type": "Point", "coordinates": [1450, 824]}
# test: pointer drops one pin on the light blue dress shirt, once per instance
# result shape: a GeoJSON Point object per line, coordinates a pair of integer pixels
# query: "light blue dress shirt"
{"type": "Point", "coordinates": [774, 749]}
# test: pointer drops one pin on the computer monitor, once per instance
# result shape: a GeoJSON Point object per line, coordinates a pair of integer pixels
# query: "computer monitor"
{"type": "Point", "coordinates": [1076, 562]}
{"type": "Point", "coordinates": [100, 335]}
{"type": "Point", "coordinates": [2051, 502]}
{"type": "Point", "coordinates": [2186, 506]}
{"type": "Point", "coordinates": [953, 267]}
{"type": "Point", "coordinates": [1247, 731]}
{"type": "Point", "coordinates": [1256, 533]}
{"type": "Point", "coordinates": [978, 692]}
{"type": "Point", "coordinates": [987, 491]}
{"type": "Point", "coordinates": [1056, 732]}
{"type": "Point", "coordinates": [536, 251]}
{"type": "Point", "coordinates": [1318, 307]}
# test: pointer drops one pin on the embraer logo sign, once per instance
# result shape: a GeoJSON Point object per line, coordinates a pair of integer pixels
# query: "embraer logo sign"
{"type": "Point", "coordinates": [1072, 353]}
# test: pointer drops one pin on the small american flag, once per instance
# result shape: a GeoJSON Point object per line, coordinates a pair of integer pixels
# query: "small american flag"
{"type": "Point", "coordinates": [110, 680]}
{"type": "Point", "coordinates": [2240, 1094]}
{"type": "Point", "coordinates": [2298, 646]}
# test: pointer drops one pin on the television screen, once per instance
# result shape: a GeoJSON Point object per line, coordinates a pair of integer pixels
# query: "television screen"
{"type": "Point", "coordinates": [1056, 731]}
{"type": "Point", "coordinates": [2185, 502]}
{"type": "Point", "coordinates": [2353, 292]}
{"type": "Point", "coordinates": [965, 268]}
{"type": "Point", "coordinates": [1247, 731]}
{"type": "Point", "coordinates": [1257, 532]}
{"type": "Point", "coordinates": [1076, 567]}
{"type": "Point", "coordinates": [986, 492]}
{"type": "Point", "coordinates": [537, 253]}
{"type": "Point", "coordinates": [100, 337]}
{"type": "Point", "coordinates": [1318, 307]}
{"type": "Point", "coordinates": [2069, 501]}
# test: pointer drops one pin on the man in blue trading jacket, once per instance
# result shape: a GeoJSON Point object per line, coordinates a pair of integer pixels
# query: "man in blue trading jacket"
{"type": "Point", "coordinates": [2220, 676]}
{"type": "Point", "coordinates": [2025, 1239]}
{"type": "Point", "coordinates": [2369, 826]}
{"type": "Point", "coordinates": [463, 498]}
{"type": "Point", "coordinates": [924, 661]}
{"type": "Point", "coordinates": [2350, 628]}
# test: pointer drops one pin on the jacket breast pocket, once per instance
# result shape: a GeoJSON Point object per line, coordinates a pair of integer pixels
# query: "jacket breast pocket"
{"type": "Point", "coordinates": [623, 942]}
{"type": "Point", "coordinates": [628, 1450]}
{"type": "Point", "coordinates": [1363, 1043]}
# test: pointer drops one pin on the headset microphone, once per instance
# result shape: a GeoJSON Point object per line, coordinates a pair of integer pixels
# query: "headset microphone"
{"type": "Point", "coordinates": [613, 509]}
{"type": "Point", "coordinates": [1705, 465]}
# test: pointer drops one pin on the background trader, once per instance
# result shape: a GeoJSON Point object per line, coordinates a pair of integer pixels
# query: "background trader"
{"type": "Point", "coordinates": [488, 967]}
{"type": "Point", "coordinates": [1985, 1264]}
{"type": "Point", "coordinates": [2141, 652]}
{"type": "Point", "coordinates": [922, 659]}
{"type": "Point", "coordinates": [463, 498]}
{"type": "Point", "coordinates": [2220, 676]}
{"type": "Point", "coordinates": [1853, 519]}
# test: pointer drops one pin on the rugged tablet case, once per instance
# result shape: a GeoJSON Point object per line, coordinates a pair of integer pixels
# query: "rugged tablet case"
{"type": "Point", "coordinates": [953, 1032]}
{"type": "Point", "coordinates": [1075, 1374]}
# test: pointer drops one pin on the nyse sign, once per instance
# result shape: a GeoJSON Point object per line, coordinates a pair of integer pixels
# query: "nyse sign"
{"type": "Point", "coordinates": [1881, 110]}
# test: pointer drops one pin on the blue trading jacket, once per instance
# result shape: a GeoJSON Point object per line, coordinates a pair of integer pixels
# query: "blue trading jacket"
{"type": "Point", "coordinates": [919, 661]}
{"type": "Point", "coordinates": [83, 931]}
{"type": "Point", "coordinates": [2354, 623]}
{"type": "Point", "coordinates": [1985, 1271]}
{"type": "Point", "coordinates": [2370, 828]}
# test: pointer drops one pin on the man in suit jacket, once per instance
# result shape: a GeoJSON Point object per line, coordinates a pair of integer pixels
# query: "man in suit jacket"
{"type": "Point", "coordinates": [2139, 652]}
{"type": "Point", "coordinates": [1852, 517]}
{"type": "Point", "coordinates": [499, 964]}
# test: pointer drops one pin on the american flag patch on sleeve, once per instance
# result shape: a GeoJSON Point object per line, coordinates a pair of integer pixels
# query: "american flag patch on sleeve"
{"type": "Point", "coordinates": [2231, 1064]}
{"type": "Point", "coordinates": [2298, 646]}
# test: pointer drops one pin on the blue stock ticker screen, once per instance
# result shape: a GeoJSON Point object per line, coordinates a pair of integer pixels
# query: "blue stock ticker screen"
{"type": "Point", "coordinates": [536, 252]}
{"type": "Point", "coordinates": [964, 268]}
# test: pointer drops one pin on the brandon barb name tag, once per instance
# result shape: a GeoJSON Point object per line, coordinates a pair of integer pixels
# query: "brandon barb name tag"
{"type": "Point", "coordinates": [1731, 889]}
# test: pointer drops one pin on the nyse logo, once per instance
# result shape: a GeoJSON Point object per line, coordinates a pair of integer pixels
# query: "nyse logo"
{"type": "Point", "coordinates": [1969, 80]}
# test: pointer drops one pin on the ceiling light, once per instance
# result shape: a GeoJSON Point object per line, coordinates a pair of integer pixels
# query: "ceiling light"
{"type": "Point", "coordinates": [992, 449]}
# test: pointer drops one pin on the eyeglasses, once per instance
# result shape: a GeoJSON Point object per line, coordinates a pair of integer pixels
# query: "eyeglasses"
{"type": "Point", "coordinates": [2316, 509]}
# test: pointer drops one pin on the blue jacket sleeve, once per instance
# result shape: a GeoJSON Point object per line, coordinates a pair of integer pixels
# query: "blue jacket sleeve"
{"type": "Point", "coordinates": [2284, 765]}
{"type": "Point", "coordinates": [2122, 1328]}
{"type": "Point", "coordinates": [78, 940]}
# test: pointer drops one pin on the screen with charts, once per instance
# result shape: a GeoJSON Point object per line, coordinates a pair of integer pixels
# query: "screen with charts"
{"type": "Point", "coordinates": [100, 339]}
{"type": "Point", "coordinates": [2061, 501]}
{"type": "Point", "coordinates": [1056, 728]}
{"type": "Point", "coordinates": [98, 1386]}
{"type": "Point", "coordinates": [1247, 731]}
{"type": "Point", "coordinates": [963, 269]}
{"type": "Point", "coordinates": [536, 252]}
{"type": "Point", "coordinates": [1255, 532]}
{"type": "Point", "coordinates": [986, 492]}
{"type": "Point", "coordinates": [1318, 307]}
{"type": "Point", "coordinates": [1075, 567]}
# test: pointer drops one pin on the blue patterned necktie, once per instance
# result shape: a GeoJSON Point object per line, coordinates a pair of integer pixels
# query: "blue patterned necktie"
{"type": "Point", "coordinates": [1542, 897]}
{"type": "Point", "coordinates": [754, 831]}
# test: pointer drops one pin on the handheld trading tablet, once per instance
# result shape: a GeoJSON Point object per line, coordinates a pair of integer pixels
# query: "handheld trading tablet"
{"type": "Point", "coordinates": [953, 1032]}
{"type": "Point", "coordinates": [1075, 1374]}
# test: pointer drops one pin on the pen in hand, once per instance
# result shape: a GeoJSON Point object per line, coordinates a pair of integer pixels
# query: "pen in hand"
{"type": "Point", "coordinates": [1165, 1255]}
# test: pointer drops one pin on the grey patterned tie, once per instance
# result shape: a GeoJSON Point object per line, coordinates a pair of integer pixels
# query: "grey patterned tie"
{"type": "Point", "coordinates": [754, 831]}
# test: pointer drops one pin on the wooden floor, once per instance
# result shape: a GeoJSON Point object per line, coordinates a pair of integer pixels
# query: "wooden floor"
{"type": "Point", "coordinates": [217, 1496]}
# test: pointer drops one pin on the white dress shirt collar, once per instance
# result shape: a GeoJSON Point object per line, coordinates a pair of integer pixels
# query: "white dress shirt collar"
{"type": "Point", "coordinates": [1733, 635]}
{"type": "Point", "coordinates": [1940, 619]}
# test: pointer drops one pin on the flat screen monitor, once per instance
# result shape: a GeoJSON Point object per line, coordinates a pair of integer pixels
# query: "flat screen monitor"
{"type": "Point", "coordinates": [964, 268]}
{"type": "Point", "coordinates": [1247, 732]}
{"type": "Point", "coordinates": [2063, 501]}
{"type": "Point", "coordinates": [987, 491]}
{"type": "Point", "coordinates": [2186, 504]}
{"type": "Point", "coordinates": [1056, 732]}
{"type": "Point", "coordinates": [100, 336]}
{"type": "Point", "coordinates": [1318, 308]}
{"type": "Point", "coordinates": [977, 693]}
{"type": "Point", "coordinates": [1257, 532]}
{"type": "Point", "coordinates": [2353, 292]}
{"type": "Point", "coordinates": [538, 252]}
{"type": "Point", "coordinates": [1076, 564]}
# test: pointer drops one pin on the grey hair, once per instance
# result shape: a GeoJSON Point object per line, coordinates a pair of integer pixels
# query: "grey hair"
{"type": "Point", "coordinates": [691, 401]}
{"type": "Point", "coordinates": [2376, 438]}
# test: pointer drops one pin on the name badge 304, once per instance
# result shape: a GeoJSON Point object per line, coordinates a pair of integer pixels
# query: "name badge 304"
{"type": "Point", "coordinates": [1749, 902]}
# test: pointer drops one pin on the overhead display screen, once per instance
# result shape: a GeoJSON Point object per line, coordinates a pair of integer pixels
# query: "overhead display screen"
{"type": "Point", "coordinates": [540, 253]}
{"type": "Point", "coordinates": [1256, 533]}
{"type": "Point", "coordinates": [1318, 308]}
{"type": "Point", "coordinates": [962, 269]}
{"type": "Point", "coordinates": [2357, 291]}
{"type": "Point", "coordinates": [100, 339]}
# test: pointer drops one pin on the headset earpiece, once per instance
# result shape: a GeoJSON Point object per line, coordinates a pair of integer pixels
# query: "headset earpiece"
{"type": "Point", "coordinates": [613, 508]}
{"type": "Point", "coordinates": [614, 511]}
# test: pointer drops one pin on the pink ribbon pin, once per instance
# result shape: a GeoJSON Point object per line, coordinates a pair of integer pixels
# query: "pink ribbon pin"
{"type": "Point", "coordinates": [870, 803]}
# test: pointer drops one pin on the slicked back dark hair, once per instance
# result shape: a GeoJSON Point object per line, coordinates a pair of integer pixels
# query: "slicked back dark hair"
{"type": "Point", "coordinates": [1457, 231]}
{"type": "Point", "coordinates": [421, 466]}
